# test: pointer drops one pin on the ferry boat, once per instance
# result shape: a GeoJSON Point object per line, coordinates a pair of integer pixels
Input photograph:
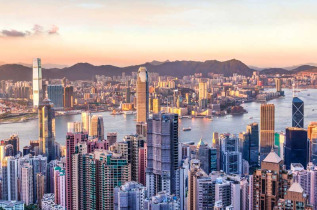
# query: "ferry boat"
{"type": "Point", "coordinates": [187, 129]}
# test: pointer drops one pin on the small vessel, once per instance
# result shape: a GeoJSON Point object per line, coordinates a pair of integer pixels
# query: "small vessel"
{"type": "Point", "coordinates": [114, 112]}
{"type": "Point", "coordinates": [308, 94]}
{"type": "Point", "coordinates": [187, 129]}
{"type": "Point", "coordinates": [251, 118]}
{"type": "Point", "coordinates": [128, 112]}
{"type": "Point", "coordinates": [210, 119]}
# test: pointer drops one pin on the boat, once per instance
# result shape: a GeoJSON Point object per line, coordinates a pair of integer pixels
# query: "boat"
{"type": "Point", "coordinates": [128, 112]}
{"type": "Point", "coordinates": [114, 112]}
{"type": "Point", "coordinates": [187, 129]}
{"type": "Point", "coordinates": [210, 119]}
{"type": "Point", "coordinates": [308, 94]}
{"type": "Point", "coordinates": [251, 118]}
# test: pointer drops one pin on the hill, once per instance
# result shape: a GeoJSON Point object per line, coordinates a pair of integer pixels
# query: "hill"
{"type": "Point", "coordinates": [84, 71]}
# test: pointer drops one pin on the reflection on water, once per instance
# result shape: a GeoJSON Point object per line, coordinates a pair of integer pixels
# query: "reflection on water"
{"type": "Point", "coordinates": [201, 127]}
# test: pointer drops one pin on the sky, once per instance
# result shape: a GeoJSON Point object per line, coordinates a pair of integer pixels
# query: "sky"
{"type": "Point", "coordinates": [262, 33]}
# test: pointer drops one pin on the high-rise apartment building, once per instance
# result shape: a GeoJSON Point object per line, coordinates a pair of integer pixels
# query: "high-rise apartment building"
{"type": "Point", "coordinates": [9, 179]}
{"type": "Point", "coordinates": [59, 186]}
{"type": "Point", "coordinates": [37, 82]}
{"type": "Point", "coordinates": [72, 139]}
{"type": "Point", "coordinates": [40, 188]}
{"type": "Point", "coordinates": [96, 129]}
{"type": "Point", "coordinates": [27, 183]}
{"type": "Point", "coordinates": [55, 94]}
{"type": "Point", "coordinates": [135, 142]}
{"type": "Point", "coordinates": [162, 153]}
{"type": "Point", "coordinates": [296, 147]}
{"type": "Point", "coordinates": [267, 129]}
{"type": "Point", "coordinates": [270, 183]}
{"type": "Point", "coordinates": [130, 196]}
{"type": "Point", "coordinates": [162, 200]}
{"type": "Point", "coordinates": [294, 199]}
{"type": "Point", "coordinates": [14, 141]}
{"type": "Point", "coordinates": [297, 113]}
{"type": "Point", "coordinates": [46, 115]}
{"type": "Point", "coordinates": [142, 91]}
{"type": "Point", "coordinates": [205, 155]}
{"type": "Point", "coordinates": [307, 179]}
{"type": "Point", "coordinates": [94, 177]}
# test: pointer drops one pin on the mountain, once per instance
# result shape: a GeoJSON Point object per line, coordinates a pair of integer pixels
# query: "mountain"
{"type": "Point", "coordinates": [84, 71]}
{"type": "Point", "coordinates": [15, 72]}
{"type": "Point", "coordinates": [304, 68]}
{"type": "Point", "coordinates": [275, 71]}
{"type": "Point", "coordinates": [288, 71]}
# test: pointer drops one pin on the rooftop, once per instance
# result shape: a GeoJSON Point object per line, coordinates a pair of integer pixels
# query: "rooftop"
{"type": "Point", "coordinates": [272, 157]}
{"type": "Point", "coordinates": [295, 187]}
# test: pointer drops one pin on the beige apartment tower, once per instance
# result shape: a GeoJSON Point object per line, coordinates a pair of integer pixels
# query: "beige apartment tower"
{"type": "Point", "coordinates": [267, 129]}
{"type": "Point", "coordinates": [142, 90]}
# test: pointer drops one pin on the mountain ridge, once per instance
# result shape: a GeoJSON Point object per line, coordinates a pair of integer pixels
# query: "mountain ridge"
{"type": "Point", "coordinates": [84, 70]}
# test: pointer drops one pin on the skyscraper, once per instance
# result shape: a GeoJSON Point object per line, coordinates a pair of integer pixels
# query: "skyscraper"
{"type": "Point", "coordinates": [231, 158]}
{"type": "Point", "coordinates": [297, 113]}
{"type": "Point", "coordinates": [72, 139]}
{"type": "Point", "coordinates": [202, 90]}
{"type": "Point", "coordinates": [96, 129]}
{"type": "Point", "coordinates": [27, 184]}
{"type": "Point", "coordinates": [40, 187]}
{"type": "Point", "coordinates": [134, 142]}
{"type": "Point", "coordinates": [85, 119]}
{"type": "Point", "coordinates": [94, 177]}
{"type": "Point", "coordinates": [55, 94]}
{"type": "Point", "coordinates": [46, 115]}
{"type": "Point", "coordinates": [270, 183]}
{"type": "Point", "coordinates": [267, 129]}
{"type": "Point", "coordinates": [312, 136]}
{"type": "Point", "coordinates": [9, 179]}
{"type": "Point", "coordinates": [278, 85]}
{"type": "Point", "coordinates": [250, 145]}
{"type": "Point", "coordinates": [69, 97]}
{"type": "Point", "coordinates": [162, 153]}
{"type": "Point", "coordinates": [296, 147]}
{"type": "Point", "coordinates": [37, 82]}
{"type": "Point", "coordinates": [142, 88]}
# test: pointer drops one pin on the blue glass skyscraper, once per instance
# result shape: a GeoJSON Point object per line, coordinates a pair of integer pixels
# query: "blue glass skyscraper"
{"type": "Point", "coordinates": [296, 147]}
{"type": "Point", "coordinates": [297, 113]}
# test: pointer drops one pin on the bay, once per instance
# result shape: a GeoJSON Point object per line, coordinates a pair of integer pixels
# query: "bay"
{"type": "Point", "coordinates": [201, 128]}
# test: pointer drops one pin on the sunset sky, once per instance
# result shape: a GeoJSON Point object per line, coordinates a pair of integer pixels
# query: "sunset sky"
{"type": "Point", "coordinates": [261, 33]}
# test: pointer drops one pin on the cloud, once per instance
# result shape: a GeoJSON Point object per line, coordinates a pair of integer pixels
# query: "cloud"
{"type": "Point", "coordinates": [54, 30]}
{"type": "Point", "coordinates": [36, 30]}
{"type": "Point", "coordinates": [14, 33]}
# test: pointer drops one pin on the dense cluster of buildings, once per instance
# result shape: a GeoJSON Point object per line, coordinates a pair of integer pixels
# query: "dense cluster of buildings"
{"type": "Point", "coordinates": [152, 169]}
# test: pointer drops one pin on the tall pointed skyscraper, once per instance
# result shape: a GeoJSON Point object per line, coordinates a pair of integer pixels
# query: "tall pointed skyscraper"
{"type": "Point", "coordinates": [142, 95]}
{"type": "Point", "coordinates": [267, 129]}
{"type": "Point", "coordinates": [297, 113]}
{"type": "Point", "coordinates": [37, 82]}
{"type": "Point", "coordinates": [46, 115]}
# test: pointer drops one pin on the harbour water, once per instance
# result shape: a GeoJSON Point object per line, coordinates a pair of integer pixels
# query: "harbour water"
{"type": "Point", "coordinates": [200, 127]}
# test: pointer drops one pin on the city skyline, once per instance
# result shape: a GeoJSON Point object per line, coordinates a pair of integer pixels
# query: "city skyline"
{"type": "Point", "coordinates": [262, 34]}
